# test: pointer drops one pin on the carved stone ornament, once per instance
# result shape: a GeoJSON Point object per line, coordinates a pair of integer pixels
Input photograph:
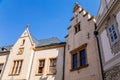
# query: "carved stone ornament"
{"type": "Point", "coordinates": [113, 74]}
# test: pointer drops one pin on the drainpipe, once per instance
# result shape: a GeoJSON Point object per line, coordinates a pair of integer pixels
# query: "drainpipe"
{"type": "Point", "coordinates": [64, 64]}
{"type": "Point", "coordinates": [100, 56]}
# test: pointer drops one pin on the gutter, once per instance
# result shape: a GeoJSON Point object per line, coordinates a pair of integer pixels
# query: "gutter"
{"type": "Point", "coordinates": [99, 52]}
{"type": "Point", "coordinates": [64, 64]}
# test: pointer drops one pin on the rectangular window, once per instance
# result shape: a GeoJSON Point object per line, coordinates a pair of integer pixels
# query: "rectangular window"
{"type": "Point", "coordinates": [1, 67]}
{"type": "Point", "coordinates": [82, 58]}
{"type": "Point", "coordinates": [75, 61]}
{"type": "Point", "coordinates": [17, 64]}
{"type": "Point", "coordinates": [41, 66]}
{"type": "Point", "coordinates": [77, 27]}
{"type": "Point", "coordinates": [52, 66]}
{"type": "Point", "coordinates": [113, 34]}
{"type": "Point", "coordinates": [79, 58]}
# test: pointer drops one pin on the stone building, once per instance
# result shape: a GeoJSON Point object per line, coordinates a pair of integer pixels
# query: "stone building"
{"type": "Point", "coordinates": [81, 55]}
{"type": "Point", "coordinates": [32, 59]}
{"type": "Point", "coordinates": [108, 28]}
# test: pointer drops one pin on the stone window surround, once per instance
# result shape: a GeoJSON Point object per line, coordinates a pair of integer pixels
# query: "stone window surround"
{"type": "Point", "coordinates": [16, 67]}
{"type": "Point", "coordinates": [112, 20]}
{"type": "Point", "coordinates": [49, 66]}
{"type": "Point", "coordinates": [77, 28]}
{"type": "Point", "coordinates": [77, 50]}
{"type": "Point", "coordinates": [38, 62]}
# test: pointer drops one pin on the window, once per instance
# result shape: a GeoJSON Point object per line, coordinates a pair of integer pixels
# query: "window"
{"type": "Point", "coordinates": [75, 61]}
{"type": "Point", "coordinates": [52, 68]}
{"type": "Point", "coordinates": [23, 42]}
{"type": "Point", "coordinates": [79, 58]}
{"type": "Point", "coordinates": [77, 28]}
{"type": "Point", "coordinates": [17, 65]}
{"type": "Point", "coordinates": [41, 66]}
{"type": "Point", "coordinates": [1, 67]}
{"type": "Point", "coordinates": [83, 58]}
{"type": "Point", "coordinates": [113, 34]}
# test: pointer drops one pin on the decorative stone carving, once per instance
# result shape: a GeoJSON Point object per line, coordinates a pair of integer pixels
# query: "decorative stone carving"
{"type": "Point", "coordinates": [113, 74]}
{"type": "Point", "coordinates": [116, 47]}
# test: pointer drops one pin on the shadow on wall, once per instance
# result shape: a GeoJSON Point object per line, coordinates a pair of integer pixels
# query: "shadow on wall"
{"type": "Point", "coordinates": [43, 78]}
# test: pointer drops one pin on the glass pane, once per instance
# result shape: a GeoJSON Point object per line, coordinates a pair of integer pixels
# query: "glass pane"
{"type": "Point", "coordinates": [75, 61]}
{"type": "Point", "coordinates": [110, 30]}
{"type": "Point", "coordinates": [113, 27]}
{"type": "Point", "coordinates": [115, 35]}
{"type": "Point", "coordinates": [83, 58]}
{"type": "Point", "coordinates": [112, 39]}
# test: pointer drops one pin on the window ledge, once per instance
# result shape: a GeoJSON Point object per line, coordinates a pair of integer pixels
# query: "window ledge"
{"type": "Point", "coordinates": [14, 74]}
{"type": "Point", "coordinates": [38, 74]}
{"type": "Point", "coordinates": [81, 67]}
{"type": "Point", "coordinates": [51, 74]}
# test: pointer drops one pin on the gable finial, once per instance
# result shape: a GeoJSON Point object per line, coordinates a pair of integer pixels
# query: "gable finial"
{"type": "Point", "coordinates": [27, 26]}
{"type": "Point", "coordinates": [76, 3]}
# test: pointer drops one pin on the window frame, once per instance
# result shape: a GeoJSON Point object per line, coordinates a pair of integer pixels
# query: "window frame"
{"type": "Point", "coordinates": [14, 68]}
{"type": "Point", "coordinates": [37, 69]}
{"type": "Point", "coordinates": [52, 66]}
{"type": "Point", "coordinates": [110, 22]}
{"type": "Point", "coordinates": [77, 27]}
{"type": "Point", "coordinates": [76, 51]}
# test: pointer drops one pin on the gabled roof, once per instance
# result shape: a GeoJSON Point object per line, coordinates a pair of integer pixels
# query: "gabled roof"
{"type": "Point", "coordinates": [45, 42]}
{"type": "Point", "coordinates": [38, 43]}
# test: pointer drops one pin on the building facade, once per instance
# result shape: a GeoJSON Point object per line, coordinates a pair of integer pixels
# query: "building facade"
{"type": "Point", "coordinates": [108, 28]}
{"type": "Point", "coordinates": [32, 59]}
{"type": "Point", "coordinates": [51, 59]}
{"type": "Point", "coordinates": [81, 56]}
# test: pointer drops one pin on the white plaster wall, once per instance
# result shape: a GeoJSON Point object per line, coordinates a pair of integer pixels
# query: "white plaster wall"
{"type": "Point", "coordinates": [3, 58]}
{"type": "Point", "coordinates": [3, 61]}
{"type": "Point", "coordinates": [106, 46]}
{"type": "Point", "coordinates": [47, 54]}
{"type": "Point", "coordinates": [102, 7]}
{"type": "Point", "coordinates": [107, 1]}
{"type": "Point", "coordinates": [59, 75]}
{"type": "Point", "coordinates": [26, 56]}
{"type": "Point", "coordinates": [118, 20]}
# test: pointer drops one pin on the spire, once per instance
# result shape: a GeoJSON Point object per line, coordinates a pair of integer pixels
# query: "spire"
{"type": "Point", "coordinates": [27, 26]}
{"type": "Point", "coordinates": [76, 3]}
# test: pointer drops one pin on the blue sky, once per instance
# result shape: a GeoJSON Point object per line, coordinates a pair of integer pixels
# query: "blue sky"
{"type": "Point", "coordinates": [47, 18]}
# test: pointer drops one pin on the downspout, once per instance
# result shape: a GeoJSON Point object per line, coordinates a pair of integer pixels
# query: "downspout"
{"type": "Point", "coordinates": [99, 52]}
{"type": "Point", "coordinates": [64, 64]}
